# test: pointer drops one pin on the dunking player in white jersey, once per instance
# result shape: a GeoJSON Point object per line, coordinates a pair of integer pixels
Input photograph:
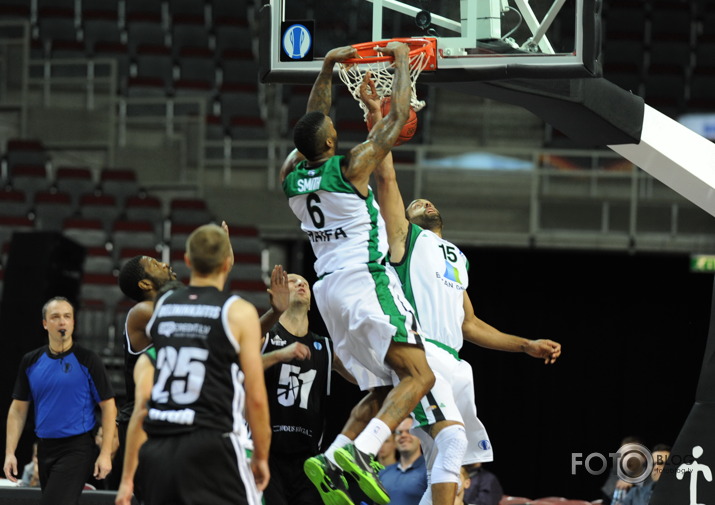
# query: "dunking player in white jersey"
{"type": "Point", "coordinates": [364, 309]}
{"type": "Point", "coordinates": [434, 276]}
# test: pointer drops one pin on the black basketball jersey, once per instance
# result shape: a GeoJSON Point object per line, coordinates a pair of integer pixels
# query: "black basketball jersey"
{"type": "Point", "coordinates": [197, 382]}
{"type": "Point", "coordinates": [297, 392]}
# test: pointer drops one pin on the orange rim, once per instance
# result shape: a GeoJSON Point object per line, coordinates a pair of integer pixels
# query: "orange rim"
{"type": "Point", "coordinates": [367, 52]}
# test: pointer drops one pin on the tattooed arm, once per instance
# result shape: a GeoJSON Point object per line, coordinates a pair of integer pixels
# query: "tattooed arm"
{"type": "Point", "coordinates": [320, 98]}
{"type": "Point", "coordinates": [365, 158]}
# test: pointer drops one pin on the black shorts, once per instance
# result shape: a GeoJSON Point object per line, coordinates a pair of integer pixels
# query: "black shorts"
{"type": "Point", "coordinates": [200, 467]}
{"type": "Point", "coordinates": [289, 485]}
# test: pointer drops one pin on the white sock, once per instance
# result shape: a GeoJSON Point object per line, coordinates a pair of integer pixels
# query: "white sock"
{"type": "Point", "coordinates": [339, 442]}
{"type": "Point", "coordinates": [372, 437]}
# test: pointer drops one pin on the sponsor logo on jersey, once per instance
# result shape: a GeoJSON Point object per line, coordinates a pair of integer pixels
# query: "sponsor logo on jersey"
{"type": "Point", "coordinates": [171, 328]}
{"type": "Point", "coordinates": [450, 278]}
{"type": "Point", "coordinates": [292, 429]}
{"type": "Point", "coordinates": [185, 416]}
{"type": "Point", "coordinates": [318, 346]}
{"type": "Point", "coordinates": [278, 341]}
{"type": "Point", "coordinates": [186, 310]}
{"type": "Point", "coordinates": [308, 185]}
{"type": "Point", "coordinates": [326, 235]}
{"type": "Point", "coordinates": [484, 444]}
{"type": "Point", "coordinates": [451, 273]}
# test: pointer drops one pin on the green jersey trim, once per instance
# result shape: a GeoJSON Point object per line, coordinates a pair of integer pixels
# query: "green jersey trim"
{"type": "Point", "coordinates": [420, 416]}
{"type": "Point", "coordinates": [387, 301]}
{"type": "Point", "coordinates": [325, 177]}
{"type": "Point", "coordinates": [403, 267]}
{"type": "Point", "coordinates": [151, 352]}
{"type": "Point", "coordinates": [447, 348]}
{"type": "Point", "coordinates": [373, 244]}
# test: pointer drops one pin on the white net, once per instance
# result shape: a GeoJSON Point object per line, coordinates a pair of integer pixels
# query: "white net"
{"type": "Point", "coordinates": [382, 74]}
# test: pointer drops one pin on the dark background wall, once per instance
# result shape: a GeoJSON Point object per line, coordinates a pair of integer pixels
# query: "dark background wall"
{"type": "Point", "coordinates": [633, 329]}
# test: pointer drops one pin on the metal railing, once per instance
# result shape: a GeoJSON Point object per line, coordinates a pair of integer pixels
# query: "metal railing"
{"type": "Point", "coordinates": [178, 117]}
{"type": "Point", "coordinates": [14, 55]}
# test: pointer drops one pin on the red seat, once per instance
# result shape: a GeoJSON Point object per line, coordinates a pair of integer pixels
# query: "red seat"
{"type": "Point", "coordinates": [119, 182]}
{"type": "Point", "coordinates": [86, 231]}
{"type": "Point", "coordinates": [76, 181]}
{"type": "Point", "coordinates": [29, 178]}
{"type": "Point", "coordinates": [103, 207]}
{"type": "Point", "coordinates": [98, 261]}
{"type": "Point", "coordinates": [189, 211]}
{"type": "Point", "coordinates": [136, 234]}
{"type": "Point", "coordinates": [51, 209]}
{"type": "Point", "coordinates": [14, 203]}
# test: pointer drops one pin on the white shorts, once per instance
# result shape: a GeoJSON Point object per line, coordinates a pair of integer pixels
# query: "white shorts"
{"type": "Point", "coordinates": [458, 373]}
{"type": "Point", "coordinates": [365, 310]}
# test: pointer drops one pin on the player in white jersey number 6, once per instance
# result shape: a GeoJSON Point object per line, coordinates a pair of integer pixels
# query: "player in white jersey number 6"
{"type": "Point", "coordinates": [374, 329]}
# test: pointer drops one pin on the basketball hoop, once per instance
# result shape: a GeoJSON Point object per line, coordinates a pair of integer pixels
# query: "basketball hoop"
{"type": "Point", "coordinates": [422, 56]}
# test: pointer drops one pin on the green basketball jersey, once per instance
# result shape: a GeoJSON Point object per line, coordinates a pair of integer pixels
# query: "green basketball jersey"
{"type": "Point", "coordinates": [344, 227]}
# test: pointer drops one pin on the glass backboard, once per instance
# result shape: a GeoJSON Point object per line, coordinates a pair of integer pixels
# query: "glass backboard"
{"type": "Point", "coordinates": [476, 39]}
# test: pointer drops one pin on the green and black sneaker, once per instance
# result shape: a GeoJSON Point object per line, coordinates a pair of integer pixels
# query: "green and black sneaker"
{"type": "Point", "coordinates": [328, 479]}
{"type": "Point", "coordinates": [363, 468]}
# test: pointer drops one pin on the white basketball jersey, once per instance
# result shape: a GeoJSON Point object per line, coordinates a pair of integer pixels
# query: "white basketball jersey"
{"type": "Point", "coordinates": [434, 276]}
{"type": "Point", "coordinates": [343, 227]}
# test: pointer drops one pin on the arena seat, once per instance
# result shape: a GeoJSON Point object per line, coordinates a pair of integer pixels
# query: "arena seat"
{"type": "Point", "coordinates": [134, 234]}
{"type": "Point", "coordinates": [119, 182]}
{"type": "Point", "coordinates": [29, 178]}
{"type": "Point", "coordinates": [76, 181]}
{"type": "Point", "coordinates": [98, 261]}
{"type": "Point", "coordinates": [189, 211]}
{"type": "Point", "coordinates": [51, 209]}
{"type": "Point", "coordinates": [14, 202]}
{"type": "Point", "coordinates": [102, 207]}
{"type": "Point", "coordinates": [146, 208]}
{"type": "Point", "coordinates": [85, 231]}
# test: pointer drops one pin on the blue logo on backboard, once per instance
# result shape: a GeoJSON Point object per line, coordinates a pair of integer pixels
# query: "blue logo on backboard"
{"type": "Point", "coordinates": [297, 41]}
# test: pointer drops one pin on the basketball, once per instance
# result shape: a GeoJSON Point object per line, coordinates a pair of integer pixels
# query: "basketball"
{"type": "Point", "coordinates": [408, 131]}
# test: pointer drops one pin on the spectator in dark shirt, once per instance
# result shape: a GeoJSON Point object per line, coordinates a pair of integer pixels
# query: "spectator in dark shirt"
{"type": "Point", "coordinates": [640, 495]}
{"type": "Point", "coordinates": [484, 487]}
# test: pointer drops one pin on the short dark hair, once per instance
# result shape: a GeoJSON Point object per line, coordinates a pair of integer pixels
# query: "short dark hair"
{"type": "Point", "coordinates": [305, 134]}
{"type": "Point", "coordinates": [129, 277]}
{"type": "Point", "coordinates": [54, 299]}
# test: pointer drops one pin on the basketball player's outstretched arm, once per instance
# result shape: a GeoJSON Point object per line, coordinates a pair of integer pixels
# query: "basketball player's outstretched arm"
{"type": "Point", "coordinates": [392, 207]}
{"type": "Point", "coordinates": [246, 328]}
{"type": "Point", "coordinates": [136, 436]}
{"type": "Point", "coordinates": [364, 158]}
{"type": "Point", "coordinates": [478, 332]}
{"type": "Point", "coordinates": [279, 296]}
{"type": "Point", "coordinates": [320, 98]}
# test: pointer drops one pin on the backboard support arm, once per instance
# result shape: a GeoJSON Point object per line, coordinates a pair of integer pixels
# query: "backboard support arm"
{"type": "Point", "coordinates": [480, 20]}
